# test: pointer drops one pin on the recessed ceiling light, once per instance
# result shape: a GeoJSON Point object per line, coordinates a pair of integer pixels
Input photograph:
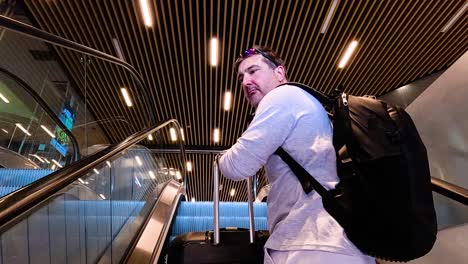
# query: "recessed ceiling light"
{"type": "Point", "coordinates": [23, 129]}
{"type": "Point", "coordinates": [347, 55]}
{"type": "Point", "coordinates": [146, 13]}
{"type": "Point", "coordinates": [173, 134]}
{"type": "Point", "coordinates": [182, 134]}
{"type": "Point", "coordinates": [330, 13]}
{"type": "Point", "coordinates": [4, 98]}
{"type": "Point", "coordinates": [39, 158]}
{"type": "Point", "coordinates": [56, 163]}
{"type": "Point", "coordinates": [48, 131]}
{"type": "Point", "coordinates": [126, 96]}
{"type": "Point", "coordinates": [138, 160]}
{"type": "Point", "coordinates": [150, 137]}
{"type": "Point", "coordinates": [189, 166]}
{"type": "Point", "coordinates": [152, 176]}
{"type": "Point", "coordinates": [117, 48]}
{"type": "Point", "coordinates": [216, 135]}
{"type": "Point", "coordinates": [214, 52]}
{"type": "Point", "coordinates": [233, 192]}
{"type": "Point", "coordinates": [227, 101]}
{"type": "Point", "coordinates": [455, 18]}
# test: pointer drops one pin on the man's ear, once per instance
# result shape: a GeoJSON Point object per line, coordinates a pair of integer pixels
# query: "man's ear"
{"type": "Point", "coordinates": [280, 73]}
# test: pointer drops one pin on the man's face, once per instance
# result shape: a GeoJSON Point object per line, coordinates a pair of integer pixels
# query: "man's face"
{"type": "Point", "coordinates": [258, 78]}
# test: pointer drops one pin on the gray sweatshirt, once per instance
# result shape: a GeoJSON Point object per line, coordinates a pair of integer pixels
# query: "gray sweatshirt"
{"type": "Point", "coordinates": [290, 117]}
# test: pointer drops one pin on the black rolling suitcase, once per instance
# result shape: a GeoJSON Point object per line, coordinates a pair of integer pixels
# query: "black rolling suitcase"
{"type": "Point", "coordinates": [228, 245]}
{"type": "Point", "coordinates": [234, 247]}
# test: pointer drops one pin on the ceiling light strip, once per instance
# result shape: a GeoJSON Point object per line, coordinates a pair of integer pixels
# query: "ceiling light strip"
{"type": "Point", "coordinates": [119, 52]}
{"type": "Point", "coordinates": [18, 125]}
{"type": "Point", "coordinates": [4, 99]}
{"type": "Point", "coordinates": [337, 29]}
{"type": "Point", "coordinates": [158, 79]}
{"type": "Point", "coordinates": [328, 18]}
{"type": "Point", "coordinates": [126, 96]}
{"type": "Point", "coordinates": [218, 77]}
{"type": "Point", "coordinates": [113, 74]}
{"type": "Point", "coordinates": [346, 31]}
{"type": "Point", "coordinates": [431, 58]}
{"type": "Point", "coordinates": [62, 52]}
{"type": "Point", "coordinates": [348, 53]}
{"type": "Point", "coordinates": [225, 66]}
{"type": "Point", "coordinates": [146, 13]}
{"type": "Point", "coordinates": [149, 69]}
{"type": "Point", "coordinates": [380, 38]}
{"type": "Point", "coordinates": [98, 81]}
{"type": "Point", "coordinates": [52, 135]}
{"type": "Point", "coordinates": [140, 120]}
{"type": "Point", "coordinates": [370, 27]}
{"type": "Point", "coordinates": [234, 84]}
{"type": "Point", "coordinates": [455, 17]}
{"type": "Point", "coordinates": [57, 163]}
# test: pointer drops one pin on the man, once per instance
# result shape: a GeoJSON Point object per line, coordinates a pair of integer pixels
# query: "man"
{"type": "Point", "coordinates": [301, 231]}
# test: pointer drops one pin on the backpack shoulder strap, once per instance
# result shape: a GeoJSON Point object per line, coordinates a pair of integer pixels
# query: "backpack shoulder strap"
{"type": "Point", "coordinates": [322, 98]}
{"type": "Point", "coordinates": [307, 181]}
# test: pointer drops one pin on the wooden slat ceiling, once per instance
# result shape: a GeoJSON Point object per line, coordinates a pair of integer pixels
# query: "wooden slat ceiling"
{"type": "Point", "coordinates": [399, 42]}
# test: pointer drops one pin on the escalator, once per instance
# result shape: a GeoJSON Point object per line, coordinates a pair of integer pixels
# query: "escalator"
{"type": "Point", "coordinates": [118, 205]}
{"type": "Point", "coordinates": [91, 211]}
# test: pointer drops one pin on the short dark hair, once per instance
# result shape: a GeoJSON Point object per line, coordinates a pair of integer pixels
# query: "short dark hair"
{"type": "Point", "coordinates": [269, 56]}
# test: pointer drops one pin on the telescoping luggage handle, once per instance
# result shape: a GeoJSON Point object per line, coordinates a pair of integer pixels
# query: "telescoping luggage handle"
{"type": "Point", "coordinates": [216, 205]}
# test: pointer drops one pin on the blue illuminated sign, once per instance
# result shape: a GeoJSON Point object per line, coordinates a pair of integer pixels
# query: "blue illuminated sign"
{"type": "Point", "coordinates": [61, 140]}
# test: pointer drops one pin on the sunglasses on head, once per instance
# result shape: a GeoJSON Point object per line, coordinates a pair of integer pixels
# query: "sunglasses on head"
{"type": "Point", "coordinates": [252, 51]}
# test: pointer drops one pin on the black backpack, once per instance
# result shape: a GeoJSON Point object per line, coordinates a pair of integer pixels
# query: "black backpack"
{"type": "Point", "coordinates": [384, 198]}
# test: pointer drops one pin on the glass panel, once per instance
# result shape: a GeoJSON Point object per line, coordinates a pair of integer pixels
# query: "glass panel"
{"type": "Point", "coordinates": [96, 217]}
{"type": "Point", "coordinates": [32, 144]}
{"type": "Point", "coordinates": [61, 78]}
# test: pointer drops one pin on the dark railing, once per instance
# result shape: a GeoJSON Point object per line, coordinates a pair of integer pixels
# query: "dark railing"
{"type": "Point", "coordinates": [24, 199]}
{"type": "Point", "coordinates": [450, 190]}
{"type": "Point", "coordinates": [46, 108]}
{"type": "Point", "coordinates": [33, 32]}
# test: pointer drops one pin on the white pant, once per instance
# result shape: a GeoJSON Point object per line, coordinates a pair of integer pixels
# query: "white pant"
{"type": "Point", "coordinates": [312, 257]}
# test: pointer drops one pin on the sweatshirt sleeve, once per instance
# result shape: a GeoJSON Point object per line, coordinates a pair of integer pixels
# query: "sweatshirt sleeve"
{"type": "Point", "coordinates": [273, 122]}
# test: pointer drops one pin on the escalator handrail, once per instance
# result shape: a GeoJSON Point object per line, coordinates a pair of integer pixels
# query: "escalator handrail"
{"type": "Point", "coordinates": [450, 190]}
{"type": "Point", "coordinates": [47, 109]}
{"type": "Point", "coordinates": [31, 31]}
{"type": "Point", "coordinates": [24, 199]}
